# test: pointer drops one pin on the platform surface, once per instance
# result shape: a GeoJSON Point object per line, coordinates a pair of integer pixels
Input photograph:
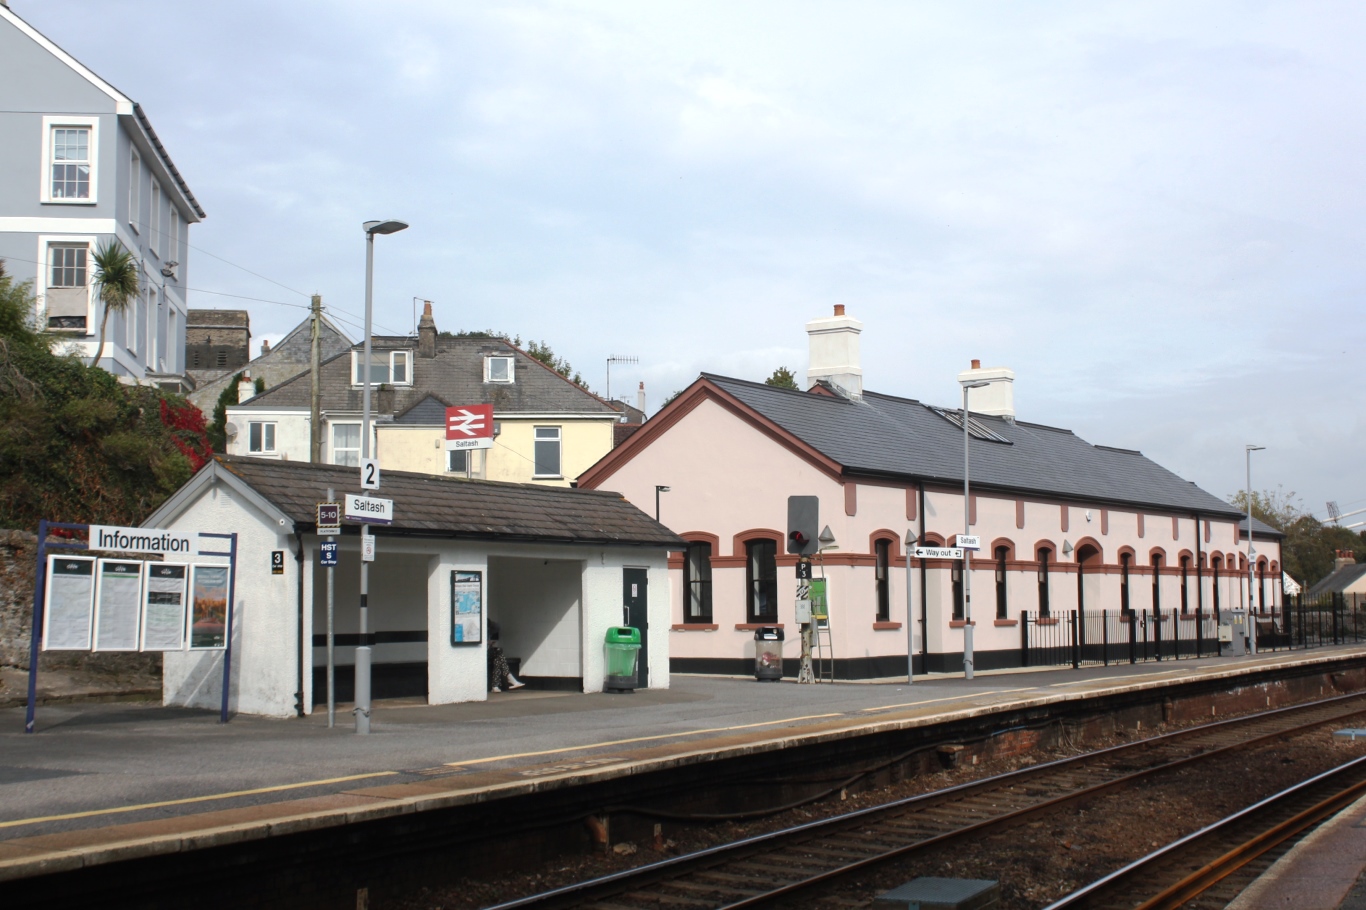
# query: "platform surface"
{"type": "Point", "coordinates": [101, 781]}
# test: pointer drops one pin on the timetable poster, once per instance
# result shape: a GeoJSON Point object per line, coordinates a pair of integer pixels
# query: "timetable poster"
{"type": "Point", "coordinates": [163, 607]}
{"type": "Point", "coordinates": [69, 604]}
{"type": "Point", "coordinates": [467, 608]}
{"type": "Point", "coordinates": [118, 605]}
{"type": "Point", "coordinates": [209, 608]}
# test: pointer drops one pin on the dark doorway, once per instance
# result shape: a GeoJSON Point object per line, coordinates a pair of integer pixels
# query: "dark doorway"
{"type": "Point", "coordinates": [635, 599]}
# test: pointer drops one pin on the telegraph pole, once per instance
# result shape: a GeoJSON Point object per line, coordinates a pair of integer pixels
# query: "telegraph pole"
{"type": "Point", "coordinates": [315, 443]}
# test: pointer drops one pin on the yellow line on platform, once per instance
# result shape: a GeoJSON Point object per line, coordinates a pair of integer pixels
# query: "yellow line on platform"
{"type": "Point", "coordinates": [931, 701]}
{"type": "Point", "coordinates": [192, 799]}
{"type": "Point", "coordinates": [636, 739]}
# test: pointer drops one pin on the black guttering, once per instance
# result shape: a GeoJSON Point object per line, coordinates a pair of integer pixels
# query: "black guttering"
{"type": "Point", "coordinates": [435, 534]}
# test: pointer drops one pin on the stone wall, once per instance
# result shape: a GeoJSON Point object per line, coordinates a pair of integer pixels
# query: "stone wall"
{"type": "Point", "coordinates": [18, 552]}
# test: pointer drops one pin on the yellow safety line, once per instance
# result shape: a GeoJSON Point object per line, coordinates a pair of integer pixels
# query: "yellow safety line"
{"type": "Point", "coordinates": [635, 739]}
{"type": "Point", "coordinates": [192, 799]}
{"type": "Point", "coordinates": [931, 701]}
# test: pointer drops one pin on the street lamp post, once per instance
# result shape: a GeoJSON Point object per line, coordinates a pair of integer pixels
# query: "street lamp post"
{"type": "Point", "coordinates": [364, 652]}
{"type": "Point", "coordinates": [1251, 553]}
{"type": "Point", "coordinates": [658, 490]}
{"type": "Point", "coordinates": [967, 530]}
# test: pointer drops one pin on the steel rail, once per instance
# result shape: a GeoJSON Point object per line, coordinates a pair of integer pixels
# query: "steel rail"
{"type": "Point", "coordinates": [1247, 850]}
{"type": "Point", "coordinates": [581, 893]}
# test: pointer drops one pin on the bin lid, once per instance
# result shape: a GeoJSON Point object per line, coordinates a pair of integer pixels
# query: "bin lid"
{"type": "Point", "coordinates": [623, 635]}
{"type": "Point", "coordinates": [768, 633]}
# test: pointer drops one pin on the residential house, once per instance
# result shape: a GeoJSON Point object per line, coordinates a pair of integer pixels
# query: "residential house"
{"type": "Point", "coordinates": [1064, 524]}
{"type": "Point", "coordinates": [212, 341]}
{"type": "Point", "coordinates": [1346, 583]}
{"type": "Point", "coordinates": [81, 164]}
{"type": "Point", "coordinates": [547, 429]}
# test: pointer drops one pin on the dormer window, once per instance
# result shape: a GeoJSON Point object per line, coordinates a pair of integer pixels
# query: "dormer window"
{"type": "Point", "coordinates": [392, 367]}
{"type": "Point", "coordinates": [498, 369]}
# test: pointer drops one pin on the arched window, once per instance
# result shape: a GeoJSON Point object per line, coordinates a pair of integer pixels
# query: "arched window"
{"type": "Point", "coordinates": [761, 578]}
{"type": "Point", "coordinates": [1157, 583]}
{"type": "Point", "coordinates": [1261, 586]}
{"type": "Point", "coordinates": [1216, 564]}
{"type": "Point", "coordinates": [697, 582]}
{"type": "Point", "coordinates": [881, 571]}
{"type": "Point", "coordinates": [957, 575]}
{"type": "Point", "coordinates": [1185, 582]}
{"type": "Point", "coordinates": [1001, 606]}
{"type": "Point", "coordinates": [1044, 554]}
{"type": "Point", "coordinates": [1124, 559]}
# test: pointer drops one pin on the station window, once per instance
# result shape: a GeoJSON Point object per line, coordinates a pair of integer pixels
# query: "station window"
{"type": "Point", "coordinates": [547, 452]}
{"type": "Point", "coordinates": [697, 582]}
{"type": "Point", "coordinates": [260, 437]}
{"type": "Point", "coordinates": [761, 579]}
{"type": "Point", "coordinates": [1044, 554]}
{"type": "Point", "coordinates": [1124, 582]}
{"type": "Point", "coordinates": [1001, 606]}
{"type": "Point", "coordinates": [881, 557]}
{"type": "Point", "coordinates": [1215, 565]}
{"type": "Point", "coordinates": [1157, 583]}
{"type": "Point", "coordinates": [1185, 584]}
{"type": "Point", "coordinates": [956, 573]}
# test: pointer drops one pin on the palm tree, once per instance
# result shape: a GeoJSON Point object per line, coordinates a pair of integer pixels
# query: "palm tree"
{"type": "Point", "coordinates": [116, 283]}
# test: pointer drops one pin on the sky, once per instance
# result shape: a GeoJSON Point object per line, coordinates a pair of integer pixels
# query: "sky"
{"type": "Point", "coordinates": [1151, 212]}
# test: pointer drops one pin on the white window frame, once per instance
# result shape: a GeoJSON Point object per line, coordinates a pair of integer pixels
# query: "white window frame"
{"type": "Point", "coordinates": [46, 247]}
{"type": "Point", "coordinates": [512, 368]}
{"type": "Point", "coordinates": [405, 356]}
{"type": "Point", "coordinates": [154, 221]}
{"type": "Point", "coordinates": [134, 190]}
{"type": "Point", "coordinates": [79, 123]}
{"type": "Point", "coordinates": [558, 438]}
{"type": "Point", "coordinates": [268, 432]}
{"type": "Point", "coordinates": [333, 441]}
{"type": "Point", "coordinates": [173, 235]}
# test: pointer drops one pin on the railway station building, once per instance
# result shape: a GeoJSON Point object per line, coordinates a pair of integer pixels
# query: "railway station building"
{"type": "Point", "coordinates": [1064, 524]}
{"type": "Point", "coordinates": [555, 567]}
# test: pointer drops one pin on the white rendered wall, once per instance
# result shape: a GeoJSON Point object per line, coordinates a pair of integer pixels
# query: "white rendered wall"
{"type": "Point", "coordinates": [536, 602]}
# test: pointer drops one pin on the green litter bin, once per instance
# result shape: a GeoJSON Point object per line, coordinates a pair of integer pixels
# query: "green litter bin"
{"type": "Point", "coordinates": [623, 648]}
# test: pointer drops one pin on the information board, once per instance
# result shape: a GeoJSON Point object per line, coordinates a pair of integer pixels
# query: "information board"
{"type": "Point", "coordinates": [467, 607]}
{"type": "Point", "coordinates": [118, 605]}
{"type": "Point", "coordinates": [209, 607]}
{"type": "Point", "coordinates": [69, 604]}
{"type": "Point", "coordinates": [164, 607]}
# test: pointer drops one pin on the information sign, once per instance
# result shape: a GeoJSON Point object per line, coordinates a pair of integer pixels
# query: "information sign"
{"type": "Point", "coordinates": [467, 607]}
{"type": "Point", "coordinates": [327, 553]}
{"type": "Point", "coordinates": [938, 553]}
{"type": "Point", "coordinates": [968, 541]}
{"type": "Point", "coordinates": [469, 427]}
{"type": "Point", "coordinates": [370, 511]}
{"type": "Point", "coordinates": [118, 605]}
{"type": "Point", "coordinates": [141, 540]}
{"type": "Point", "coordinates": [69, 607]}
{"type": "Point", "coordinates": [329, 518]}
{"type": "Point", "coordinates": [369, 473]}
{"type": "Point", "coordinates": [163, 607]}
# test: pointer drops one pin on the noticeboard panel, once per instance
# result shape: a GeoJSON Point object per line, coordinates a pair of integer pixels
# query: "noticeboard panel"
{"type": "Point", "coordinates": [209, 608]}
{"type": "Point", "coordinates": [164, 606]}
{"type": "Point", "coordinates": [118, 604]}
{"type": "Point", "coordinates": [69, 603]}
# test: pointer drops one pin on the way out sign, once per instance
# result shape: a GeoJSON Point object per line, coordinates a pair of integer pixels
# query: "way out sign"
{"type": "Point", "coordinates": [469, 427]}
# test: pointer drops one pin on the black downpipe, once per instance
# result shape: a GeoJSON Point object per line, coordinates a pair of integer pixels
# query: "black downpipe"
{"type": "Point", "coordinates": [299, 564]}
{"type": "Point", "coordinates": [1199, 588]}
{"type": "Point", "coordinates": [924, 597]}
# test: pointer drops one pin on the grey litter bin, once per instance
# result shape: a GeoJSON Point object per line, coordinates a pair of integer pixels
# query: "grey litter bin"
{"type": "Point", "coordinates": [768, 653]}
{"type": "Point", "coordinates": [623, 649]}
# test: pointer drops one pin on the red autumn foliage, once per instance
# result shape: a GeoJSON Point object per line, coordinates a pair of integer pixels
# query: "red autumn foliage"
{"type": "Point", "coordinates": [188, 431]}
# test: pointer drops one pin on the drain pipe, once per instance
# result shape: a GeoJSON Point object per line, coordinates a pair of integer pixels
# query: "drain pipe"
{"type": "Point", "coordinates": [299, 565]}
{"type": "Point", "coordinates": [924, 598]}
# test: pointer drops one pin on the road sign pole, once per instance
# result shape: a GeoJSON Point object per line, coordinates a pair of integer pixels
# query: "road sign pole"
{"type": "Point", "coordinates": [331, 632]}
{"type": "Point", "coordinates": [910, 606]}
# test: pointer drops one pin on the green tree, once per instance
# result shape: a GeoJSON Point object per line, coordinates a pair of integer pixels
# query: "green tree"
{"type": "Point", "coordinates": [116, 284]}
{"type": "Point", "coordinates": [1307, 552]}
{"type": "Point", "coordinates": [782, 378]}
{"type": "Point", "coordinates": [543, 352]}
{"type": "Point", "coordinates": [218, 427]}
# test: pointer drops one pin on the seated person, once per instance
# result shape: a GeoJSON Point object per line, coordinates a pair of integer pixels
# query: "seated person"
{"type": "Point", "coordinates": [500, 674]}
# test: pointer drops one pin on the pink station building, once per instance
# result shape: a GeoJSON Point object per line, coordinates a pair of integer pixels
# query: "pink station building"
{"type": "Point", "coordinates": [1064, 524]}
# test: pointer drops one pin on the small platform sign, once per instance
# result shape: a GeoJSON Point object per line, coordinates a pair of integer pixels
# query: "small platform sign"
{"type": "Point", "coordinates": [469, 427]}
{"type": "Point", "coordinates": [369, 473]}
{"type": "Point", "coordinates": [367, 546]}
{"type": "Point", "coordinates": [938, 553]}
{"type": "Point", "coordinates": [368, 510]}
{"type": "Point", "coordinates": [967, 541]}
{"type": "Point", "coordinates": [327, 553]}
{"type": "Point", "coordinates": [804, 571]}
{"type": "Point", "coordinates": [277, 562]}
{"type": "Point", "coordinates": [329, 518]}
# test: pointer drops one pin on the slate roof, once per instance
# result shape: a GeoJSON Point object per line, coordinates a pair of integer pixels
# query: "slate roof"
{"type": "Point", "coordinates": [456, 375]}
{"type": "Point", "coordinates": [883, 435]}
{"type": "Point", "coordinates": [1338, 580]}
{"type": "Point", "coordinates": [449, 507]}
{"type": "Point", "coordinates": [1260, 528]}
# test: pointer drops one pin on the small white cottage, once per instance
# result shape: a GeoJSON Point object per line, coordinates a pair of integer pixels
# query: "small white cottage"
{"type": "Point", "coordinates": [554, 567]}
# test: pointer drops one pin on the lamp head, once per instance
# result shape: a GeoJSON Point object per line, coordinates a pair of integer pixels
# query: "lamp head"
{"type": "Point", "coordinates": [660, 489]}
{"type": "Point", "coordinates": [392, 226]}
{"type": "Point", "coordinates": [1252, 448]}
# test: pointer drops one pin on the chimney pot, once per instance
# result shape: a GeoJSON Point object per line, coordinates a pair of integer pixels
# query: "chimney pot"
{"type": "Point", "coordinates": [265, 346]}
{"type": "Point", "coordinates": [839, 309]}
{"type": "Point", "coordinates": [977, 364]}
{"type": "Point", "coordinates": [426, 308]}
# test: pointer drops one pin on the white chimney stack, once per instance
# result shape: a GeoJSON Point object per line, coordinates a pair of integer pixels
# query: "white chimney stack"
{"type": "Point", "coordinates": [835, 352]}
{"type": "Point", "coordinates": [640, 398]}
{"type": "Point", "coordinates": [246, 389]}
{"type": "Point", "coordinates": [997, 399]}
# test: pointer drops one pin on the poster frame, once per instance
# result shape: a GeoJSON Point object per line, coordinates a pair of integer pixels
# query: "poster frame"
{"type": "Point", "coordinates": [467, 576]}
{"type": "Point", "coordinates": [99, 612]}
{"type": "Point", "coordinates": [90, 609]}
{"type": "Point", "coordinates": [196, 568]}
{"type": "Point", "coordinates": [147, 568]}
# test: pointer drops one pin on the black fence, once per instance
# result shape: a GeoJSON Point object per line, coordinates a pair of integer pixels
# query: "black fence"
{"type": "Point", "coordinates": [1104, 637]}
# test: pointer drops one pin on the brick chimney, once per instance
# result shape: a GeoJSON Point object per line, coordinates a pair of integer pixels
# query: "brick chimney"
{"type": "Point", "coordinates": [833, 342]}
{"type": "Point", "coordinates": [426, 333]}
{"type": "Point", "coordinates": [265, 346]}
{"type": "Point", "coordinates": [1344, 558]}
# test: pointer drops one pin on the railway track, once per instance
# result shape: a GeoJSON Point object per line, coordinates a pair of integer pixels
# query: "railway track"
{"type": "Point", "coordinates": [1212, 866]}
{"type": "Point", "coordinates": [778, 865]}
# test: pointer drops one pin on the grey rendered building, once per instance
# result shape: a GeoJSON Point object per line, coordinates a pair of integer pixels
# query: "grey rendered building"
{"type": "Point", "coordinates": [79, 164]}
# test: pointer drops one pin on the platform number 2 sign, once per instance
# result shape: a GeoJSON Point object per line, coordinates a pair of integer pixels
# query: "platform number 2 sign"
{"type": "Point", "coordinates": [369, 473]}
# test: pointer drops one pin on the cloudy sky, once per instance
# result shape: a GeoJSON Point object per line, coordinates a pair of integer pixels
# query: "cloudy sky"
{"type": "Point", "coordinates": [1151, 212]}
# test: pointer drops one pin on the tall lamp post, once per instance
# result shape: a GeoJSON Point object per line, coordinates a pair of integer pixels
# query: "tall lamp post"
{"type": "Point", "coordinates": [1251, 553]}
{"type": "Point", "coordinates": [967, 530]}
{"type": "Point", "coordinates": [363, 653]}
{"type": "Point", "coordinates": [658, 490]}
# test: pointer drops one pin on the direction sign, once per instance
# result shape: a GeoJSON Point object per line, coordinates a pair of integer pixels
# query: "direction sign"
{"type": "Point", "coordinates": [329, 518]}
{"type": "Point", "coordinates": [938, 553]}
{"type": "Point", "coordinates": [968, 541]}
{"type": "Point", "coordinates": [371, 511]}
{"type": "Point", "coordinates": [327, 553]}
{"type": "Point", "coordinates": [469, 427]}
